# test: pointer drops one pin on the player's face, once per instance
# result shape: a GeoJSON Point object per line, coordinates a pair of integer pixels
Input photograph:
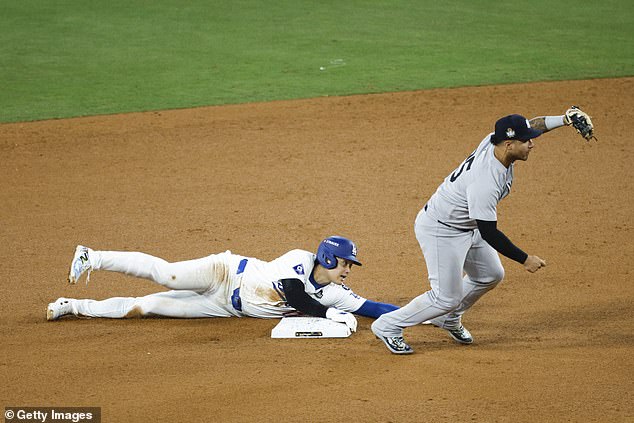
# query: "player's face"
{"type": "Point", "coordinates": [521, 149]}
{"type": "Point", "coordinates": [339, 274]}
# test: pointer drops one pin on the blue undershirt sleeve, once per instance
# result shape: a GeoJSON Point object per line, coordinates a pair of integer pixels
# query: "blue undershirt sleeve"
{"type": "Point", "coordinates": [373, 309]}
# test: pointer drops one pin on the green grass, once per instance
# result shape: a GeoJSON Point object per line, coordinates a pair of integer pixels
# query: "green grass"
{"type": "Point", "coordinates": [75, 58]}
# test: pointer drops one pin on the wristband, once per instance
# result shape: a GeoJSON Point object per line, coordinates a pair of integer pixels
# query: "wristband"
{"type": "Point", "coordinates": [553, 122]}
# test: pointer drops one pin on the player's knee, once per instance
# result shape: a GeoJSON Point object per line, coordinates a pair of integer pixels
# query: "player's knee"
{"type": "Point", "coordinates": [445, 303]}
{"type": "Point", "coordinates": [491, 278]}
{"type": "Point", "coordinates": [143, 306]}
{"type": "Point", "coordinates": [135, 311]}
{"type": "Point", "coordinates": [496, 276]}
{"type": "Point", "coordinates": [164, 278]}
{"type": "Point", "coordinates": [452, 304]}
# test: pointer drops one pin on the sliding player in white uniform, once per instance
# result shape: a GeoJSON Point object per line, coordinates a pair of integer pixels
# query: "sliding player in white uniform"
{"type": "Point", "coordinates": [457, 231]}
{"type": "Point", "coordinates": [226, 285]}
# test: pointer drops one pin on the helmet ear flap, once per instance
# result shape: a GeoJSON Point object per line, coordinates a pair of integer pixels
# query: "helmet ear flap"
{"type": "Point", "coordinates": [330, 261]}
{"type": "Point", "coordinates": [326, 257]}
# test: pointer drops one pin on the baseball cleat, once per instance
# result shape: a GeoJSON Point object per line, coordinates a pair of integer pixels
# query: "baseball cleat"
{"type": "Point", "coordinates": [461, 335]}
{"type": "Point", "coordinates": [396, 344]}
{"type": "Point", "coordinates": [80, 264]}
{"type": "Point", "coordinates": [59, 308]}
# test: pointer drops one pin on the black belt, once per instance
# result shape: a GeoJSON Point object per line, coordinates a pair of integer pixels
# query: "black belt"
{"type": "Point", "coordinates": [236, 301]}
{"type": "Point", "coordinates": [449, 226]}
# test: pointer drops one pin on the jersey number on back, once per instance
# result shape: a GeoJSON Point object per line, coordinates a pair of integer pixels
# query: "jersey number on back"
{"type": "Point", "coordinates": [468, 162]}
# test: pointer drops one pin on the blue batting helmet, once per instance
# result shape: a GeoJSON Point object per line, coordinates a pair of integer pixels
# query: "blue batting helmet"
{"type": "Point", "coordinates": [333, 247]}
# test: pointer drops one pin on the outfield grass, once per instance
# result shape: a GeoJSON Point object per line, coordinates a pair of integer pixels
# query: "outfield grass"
{"type": "Point", "coordinates": [74, 58]}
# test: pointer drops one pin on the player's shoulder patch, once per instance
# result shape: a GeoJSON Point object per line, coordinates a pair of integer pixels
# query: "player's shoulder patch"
{"type": "Point", "coordinates": [299, 269]}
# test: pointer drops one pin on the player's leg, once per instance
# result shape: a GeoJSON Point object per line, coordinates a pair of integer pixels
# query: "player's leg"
{"type": "Point", "coordinates": [445, 250]}
{"type": "Point", "coordinates": [484, 271]}
{"type": "Point", "coordinates": [175, 304]}
{"type": "Point", "coordinates": [194, 275]}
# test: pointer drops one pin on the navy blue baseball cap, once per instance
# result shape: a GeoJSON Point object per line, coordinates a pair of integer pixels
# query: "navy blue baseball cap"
{"type": "Point", "coordinates": [514, 127]}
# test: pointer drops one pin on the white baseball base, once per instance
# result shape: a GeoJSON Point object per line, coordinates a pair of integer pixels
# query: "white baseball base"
{"type": "Point", "coordinates": [309, 327]}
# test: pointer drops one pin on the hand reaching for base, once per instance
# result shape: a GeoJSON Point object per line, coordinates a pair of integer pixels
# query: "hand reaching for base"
{"type": "Point", "coordinates": [342, 317]}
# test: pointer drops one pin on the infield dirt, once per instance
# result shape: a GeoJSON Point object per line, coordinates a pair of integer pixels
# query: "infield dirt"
{"type": "Point", "coordinates": [261, 179]}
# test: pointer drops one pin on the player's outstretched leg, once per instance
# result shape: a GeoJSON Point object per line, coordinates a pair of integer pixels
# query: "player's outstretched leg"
{"type": "Point", "coordinates": [61, 307]}
{"type": "Point", "coordinates": [174, 304]}
{"type": "Point", "coordinates": [197, 275]}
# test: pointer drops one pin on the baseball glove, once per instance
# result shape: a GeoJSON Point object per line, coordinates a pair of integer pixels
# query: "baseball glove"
{"type": "Point", "coordinates": [581, 122]}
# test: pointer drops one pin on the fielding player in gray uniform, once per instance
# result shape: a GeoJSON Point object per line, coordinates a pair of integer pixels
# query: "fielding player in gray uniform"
{"type": "Point", "coordinates": [226, 285]}
{"type": "Point", "coordinates": [457, 231]}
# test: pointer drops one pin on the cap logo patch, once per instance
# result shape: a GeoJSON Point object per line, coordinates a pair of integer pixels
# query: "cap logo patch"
{"type": "Point", "coordinates": [510, 133]}
{"type": "Point", "coordinates": [354, 250]}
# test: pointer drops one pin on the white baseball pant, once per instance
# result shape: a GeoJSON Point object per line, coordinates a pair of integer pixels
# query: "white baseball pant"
{"type": "Point", "coordinates": [199, 288]}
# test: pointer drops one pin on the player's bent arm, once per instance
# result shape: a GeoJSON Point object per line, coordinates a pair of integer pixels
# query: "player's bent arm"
{"type": "Point", "coordinates": [297, 298]}
{"type": "Point", "coordinates": [374, 309]}
{"type": "Point", "coordinates": [496, 239]}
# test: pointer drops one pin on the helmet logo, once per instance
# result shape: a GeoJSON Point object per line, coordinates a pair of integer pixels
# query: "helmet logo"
{"type": "Point", "coordinates": [354, 250]}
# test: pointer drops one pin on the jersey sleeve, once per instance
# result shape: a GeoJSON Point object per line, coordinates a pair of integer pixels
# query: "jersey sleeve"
{"type": "Point", "coordinates": [342, 298]}
{"type": "Point", "coordinates": [482, 200]}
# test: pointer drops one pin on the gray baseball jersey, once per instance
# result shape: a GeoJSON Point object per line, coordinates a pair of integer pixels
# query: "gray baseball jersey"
{"type": "Point", "coordinates": [473, 190]}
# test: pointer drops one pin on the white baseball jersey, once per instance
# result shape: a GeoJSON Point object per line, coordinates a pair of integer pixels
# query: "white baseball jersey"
{"type": "Point", "coordinates": [473, 190]}
{"type": "Point", "coordinates": [261, 290]}
{"type": "Point", "coordinates": [219, 285]}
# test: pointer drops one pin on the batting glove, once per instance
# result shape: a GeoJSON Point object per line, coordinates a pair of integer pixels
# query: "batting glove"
{"type": "Point", "coordinates": [342, 317]}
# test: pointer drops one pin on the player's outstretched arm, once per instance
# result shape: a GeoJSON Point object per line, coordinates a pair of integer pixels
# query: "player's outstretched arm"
{"type": "Point", "coordinates": [374, 309]}
{"type": "Point", "coordinates": [539, 123]}
{"type": "Point", "coordinates": [297, 298]}
{"type": "Point", "coordinates": [574, 116]}
{"type": "Point", "coordinates": [548, 123]}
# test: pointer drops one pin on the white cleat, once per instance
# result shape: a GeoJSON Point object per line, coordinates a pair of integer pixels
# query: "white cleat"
{"type": "Point", "coordinates": [59, 308]}
{"type": "Point", "coordinates": [80, 264]}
